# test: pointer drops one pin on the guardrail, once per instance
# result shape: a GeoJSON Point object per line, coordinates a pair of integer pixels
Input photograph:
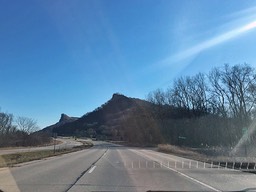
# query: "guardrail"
{"type": "Point", "coordinates": [242, 166]}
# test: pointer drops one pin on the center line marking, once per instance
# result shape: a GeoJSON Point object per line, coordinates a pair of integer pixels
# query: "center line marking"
{"type": "Point", "coordinates": [92, 169]}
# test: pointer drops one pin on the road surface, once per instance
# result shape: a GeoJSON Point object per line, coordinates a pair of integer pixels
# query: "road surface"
{"type": "Point", "coordinates": [65, 144]}
{"type": "Point", "coordinates": [108, 167]}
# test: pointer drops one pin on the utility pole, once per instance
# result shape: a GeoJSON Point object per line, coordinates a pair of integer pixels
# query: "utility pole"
{"type": "Point", "coordinates": [54, 142]}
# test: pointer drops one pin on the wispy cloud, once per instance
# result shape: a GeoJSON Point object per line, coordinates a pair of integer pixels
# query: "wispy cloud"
{"type": "Point", "coordinates": [210, 43]}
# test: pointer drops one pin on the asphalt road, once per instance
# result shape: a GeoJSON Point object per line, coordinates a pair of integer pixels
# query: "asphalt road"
{"type": "Point", "coordinates": [108, 167]}
{"type": "Point", "coordinates": [65, 144]}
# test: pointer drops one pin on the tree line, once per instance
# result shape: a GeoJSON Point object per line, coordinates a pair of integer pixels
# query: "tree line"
{"type": "Point", "coordinates": [207, 109]}
{"type": "Point", "coordinates": [20, 131]}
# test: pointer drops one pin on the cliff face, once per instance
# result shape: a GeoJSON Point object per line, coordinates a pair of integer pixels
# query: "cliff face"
{"type": "Point", "coordinates": [65, 118]}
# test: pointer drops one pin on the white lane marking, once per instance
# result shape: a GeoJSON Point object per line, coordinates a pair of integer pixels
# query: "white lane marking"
{"type": "Point", "coordinates": [193, 179]}
{"type": "Point", "coordinates": [180, 173]}
{"type": "Point", "coordinates": [92, 169]}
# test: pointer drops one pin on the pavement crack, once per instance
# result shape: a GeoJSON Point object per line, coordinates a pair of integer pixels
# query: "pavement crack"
{"type": "Point", "coordinates": [85, 171]}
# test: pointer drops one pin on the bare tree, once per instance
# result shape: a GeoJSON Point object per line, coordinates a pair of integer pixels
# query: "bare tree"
{"type": "Point", "coordinates": [27, 125]}
{"type": "Point", "coordinates": [240, 81]}
{"type": "Point", "coordinates": [157, 97]}
{"type": "Point", "coordinates": [233, 91]}
{"type": "Point", "coordinates": [189, 93]}
{"type": "Point", "coordinates": [227, 95]}
{"type": "Point", "coordinates": [217, 97]}
{"type": "Point", "coordinates": [6, 121]}
{"type": "Point", "coordinates": [198, 93]}
{"type": "Point", "coordinates": [179, 93]}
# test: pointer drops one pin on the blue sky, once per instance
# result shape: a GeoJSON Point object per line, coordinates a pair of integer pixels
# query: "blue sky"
{"type": "Point", "coordinates": [71, 56]}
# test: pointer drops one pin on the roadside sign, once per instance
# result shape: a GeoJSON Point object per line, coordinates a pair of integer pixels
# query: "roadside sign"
{"type": "Point", "coordinates": [181, 137]}
{"type": "Point", "coordinates": [244, 130]}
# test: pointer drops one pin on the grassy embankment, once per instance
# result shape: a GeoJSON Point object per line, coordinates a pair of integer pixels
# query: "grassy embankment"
{"type": "Point", "coordinates": [9, 160]}
{"type": "Point", "coordinates": [191, 153]}
{"type": "Point", "coordinates": [181, 152]}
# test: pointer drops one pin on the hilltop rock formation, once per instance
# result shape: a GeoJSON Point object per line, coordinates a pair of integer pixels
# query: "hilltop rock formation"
{"type": "Point", "coordinates": [63, 120]}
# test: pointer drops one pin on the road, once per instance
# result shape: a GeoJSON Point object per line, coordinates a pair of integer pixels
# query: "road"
{"type": "Point", "coordinates": [108, 167]}
{"type": "Point", "coordinates": [65, 144]}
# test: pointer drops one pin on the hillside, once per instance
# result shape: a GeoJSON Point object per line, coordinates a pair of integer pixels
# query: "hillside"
{"type": "Point", "coordinates": [108, 121]}
{"type": "Point", "coordinates": [143, 123]}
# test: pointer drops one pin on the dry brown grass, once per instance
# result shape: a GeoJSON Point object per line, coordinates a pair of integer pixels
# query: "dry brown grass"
{"type": "Point", "coordinates": [191, 154]}
{"type": "Point", "coordinates": [180, 151]}
{"type": "Point", "coordinates": [9, 160]}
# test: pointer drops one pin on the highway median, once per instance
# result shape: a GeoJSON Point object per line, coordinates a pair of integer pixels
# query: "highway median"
{"type": "Point", "coordinates": [9, 160]}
